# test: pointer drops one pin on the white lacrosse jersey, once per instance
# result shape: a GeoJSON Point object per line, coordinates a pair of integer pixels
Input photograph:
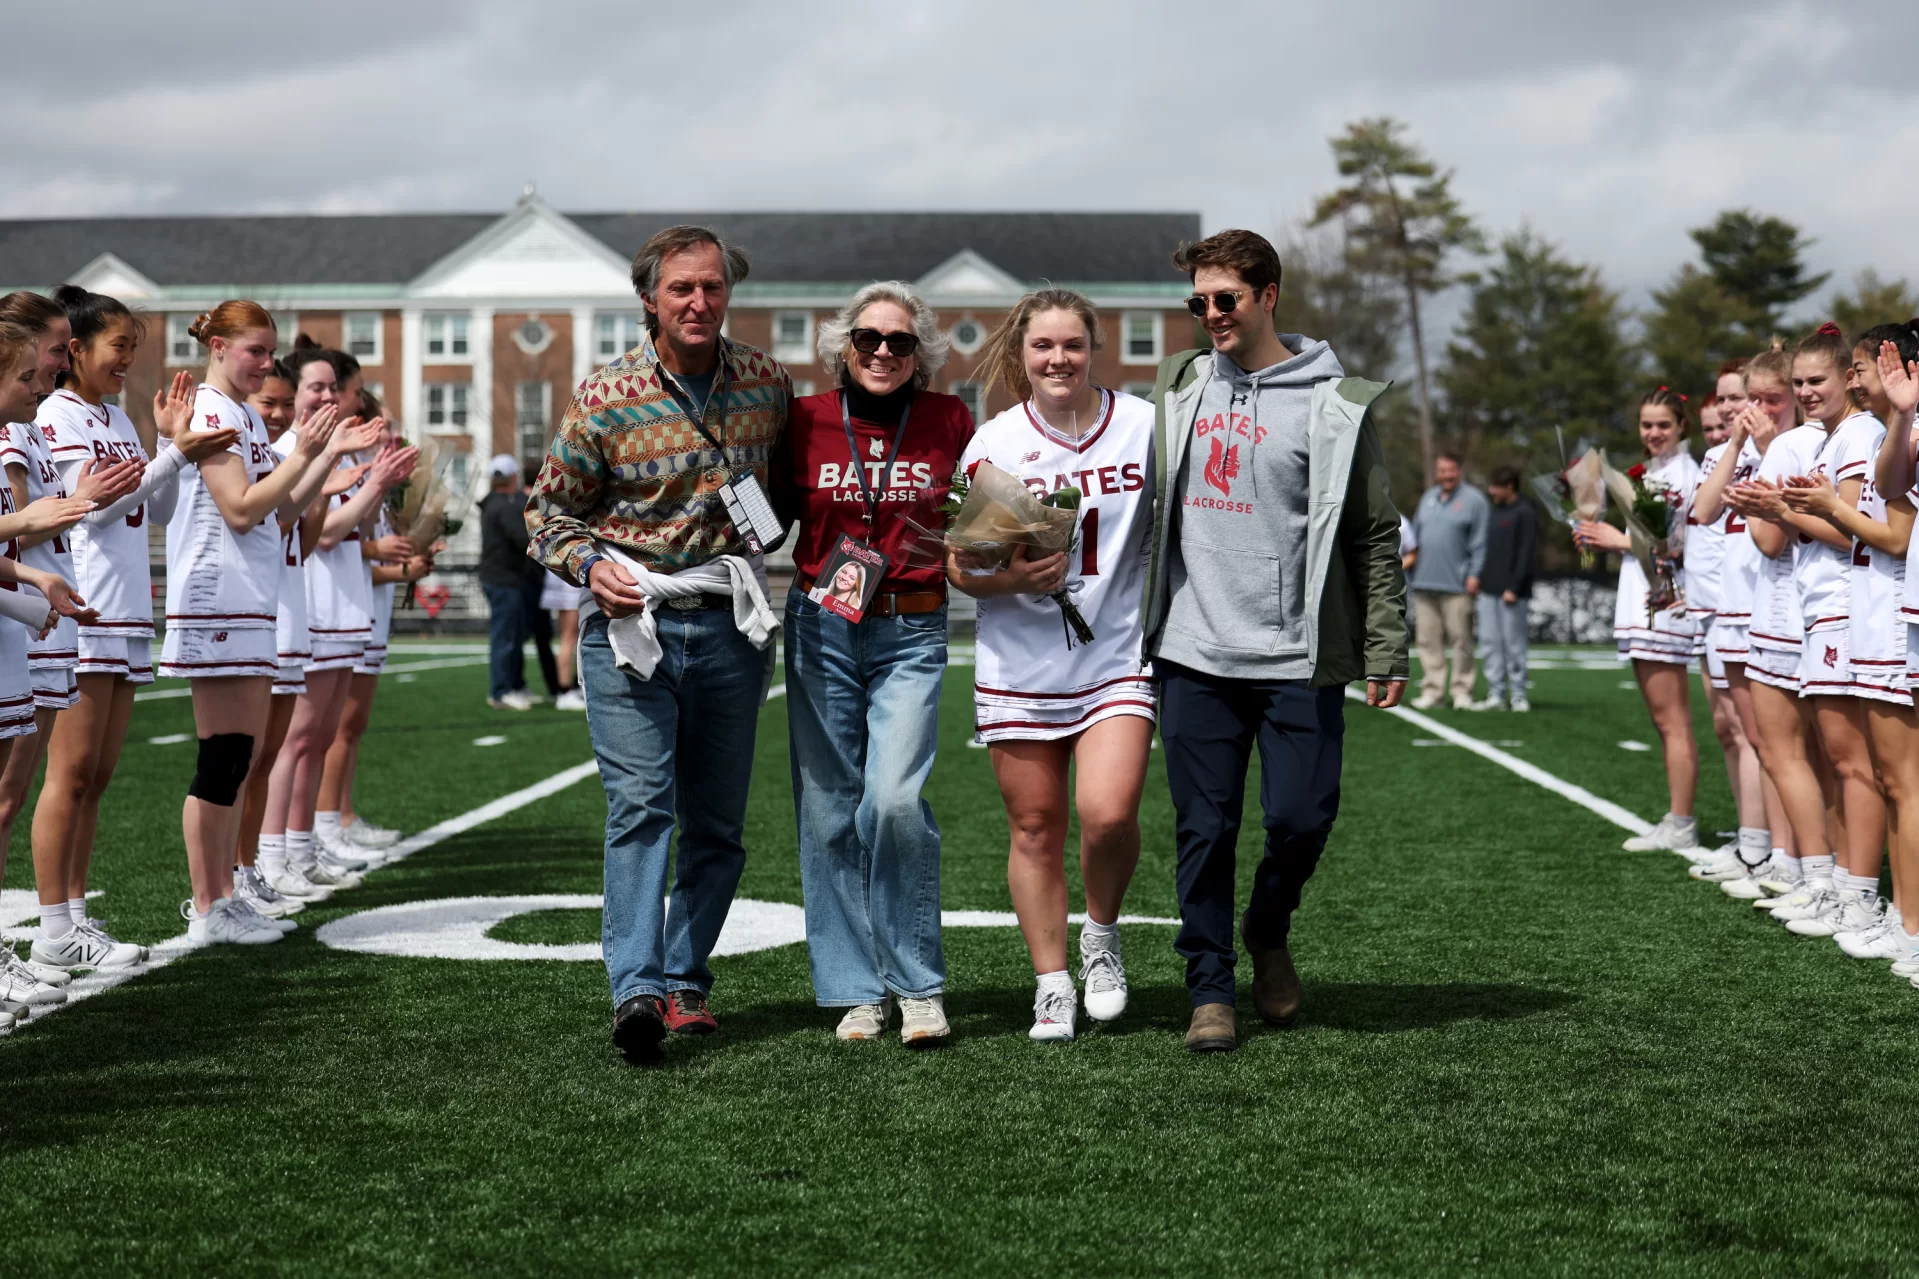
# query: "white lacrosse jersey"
{"type": "Point", "coordinates": [1705, 547]}
{"type": "Point", "coordinates": [1877, 642]}
{"type": "Point", "coordinates": [1824, 572]}
{"type": "Point", "coordinates": [294, 641]}
{"type": "Point", "coordinates": [1671, 628]}
{"type": "Point", "coordinates": [218, 579]}
{"type": "Point", "coordinates": [1739, 568]}
{"type": "Point", "coordinates": [340, 584]}
{"type": "Point", "coordinates": [24, 444]}
{"type": "Point", "coordinates": [1909, 597]}
{"type": "Point", "coordinates": [111, 560]}
{"type": "Point", "coordinates": [1778, 622]}
{"type": "Point", "coordinates": [1028, 681]}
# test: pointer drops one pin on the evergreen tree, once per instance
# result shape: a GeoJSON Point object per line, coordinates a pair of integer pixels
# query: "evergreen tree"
{"type": "Point", "coordinates": [1872, 301]}
{"type": "Point", "coordinates": [1757, 260]}
{"type": "Point", "coordinates": [1696, 326]}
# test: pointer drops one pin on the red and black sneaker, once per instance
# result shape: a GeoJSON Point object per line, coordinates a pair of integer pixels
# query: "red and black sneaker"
{"type": "Point", "coordinates": [639, 1026]}
{"type": "Point", "coordinates": [687, 1014]}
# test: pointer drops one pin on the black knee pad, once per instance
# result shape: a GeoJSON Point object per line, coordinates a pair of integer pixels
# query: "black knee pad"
{"type": "Point", "coordinates": [222, 769]}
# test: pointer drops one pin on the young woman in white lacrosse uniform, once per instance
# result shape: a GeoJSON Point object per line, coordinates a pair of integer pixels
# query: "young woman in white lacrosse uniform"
{"type": "Point", "coordinates": [1043, 701]}
{"type": "Point", "coordinates": [1895, 732]}
{"type": "Point", "coordinates": [29, 357]}
{"type": "Point", "coordinates": [1660, 645]}
{"type": "Point", "coordinates": [225, 562]}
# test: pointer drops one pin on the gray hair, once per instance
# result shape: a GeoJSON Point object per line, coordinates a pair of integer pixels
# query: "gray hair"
{"type": "Point", "coordinates": [662, 244]}
{"type": "Point", "coordinates": [836, 334]}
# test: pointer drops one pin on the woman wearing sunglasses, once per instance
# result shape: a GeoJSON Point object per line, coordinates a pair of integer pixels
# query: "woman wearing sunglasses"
{"type": "Point", "coordinates": [855, 465]}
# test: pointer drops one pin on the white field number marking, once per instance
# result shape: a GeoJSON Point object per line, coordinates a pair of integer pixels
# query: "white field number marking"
{"type": "Point", "coordinates": [169, 739]}
{"type": "Point", "coordinates": [492, 739]}
{"type": "Point", "coordinates": [1634, 746]}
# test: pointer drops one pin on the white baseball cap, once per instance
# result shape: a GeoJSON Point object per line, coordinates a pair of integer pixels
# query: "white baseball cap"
{"type": "Point", "coordinates": [504, 465]}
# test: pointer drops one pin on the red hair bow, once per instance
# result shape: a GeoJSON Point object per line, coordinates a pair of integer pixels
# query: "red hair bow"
{"type": "Point", "coordinates": [1830, 330]}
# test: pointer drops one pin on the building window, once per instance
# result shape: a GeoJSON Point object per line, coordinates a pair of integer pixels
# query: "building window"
{"type": "Point", "coordinates": [793, 337]}
{"type": "Point", "coordinates": [446, 403]}
{"type": "Point", "coordinates": [531, 401]}
{"type": "Point", "coordinates": [1141, 337]}
{"type": "Point", "coordinates": [361, 332]}
{"type": "Point", "coordinates": [286, 327]}
{"type": "Point", "coordinates": [968, 336]}
{"type": "Point", "coordinates": [973, 395]}
{"type": "Point", "coordinates": [617, 334]}
{"type": "Point", "coordinates": [802, 386]}
{"type": "Point", "coordinates": [1144, 390]}
{"type": "Point", "coordinates": [181, 348]}
{"type": "Point", "coordinates": [446, 336]}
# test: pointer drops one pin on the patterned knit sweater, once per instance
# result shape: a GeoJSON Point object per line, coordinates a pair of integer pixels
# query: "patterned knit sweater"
{"type": "Point", "coordinates": [629, 467]}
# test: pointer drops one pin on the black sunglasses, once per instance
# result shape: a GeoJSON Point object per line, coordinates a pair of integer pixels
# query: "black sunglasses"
{"type": "Point", "coordinates": [869, 341]}
{"type": "Point", "coordinates": [1225, 302]}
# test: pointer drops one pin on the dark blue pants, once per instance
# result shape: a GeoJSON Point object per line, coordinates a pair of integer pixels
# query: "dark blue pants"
{"type": "Point", "coordinates": [1209, 726]}
{"type": "Point", "coordinates": [506, 637]}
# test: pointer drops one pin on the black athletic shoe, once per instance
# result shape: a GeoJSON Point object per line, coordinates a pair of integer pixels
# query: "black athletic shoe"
{"type": "Point", "coordinates": [638, 1029]}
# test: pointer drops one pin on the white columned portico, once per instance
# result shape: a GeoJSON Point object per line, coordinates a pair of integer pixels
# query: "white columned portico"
{"type": "Point", "coordinates": [585, 347]}
{"type": "Point", "coordinates": [412, 376]}
{"type": "Point", "coordinates": [479, 408]}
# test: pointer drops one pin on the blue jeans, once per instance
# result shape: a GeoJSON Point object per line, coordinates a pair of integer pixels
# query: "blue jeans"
{"type": "Point", "coordinates": [1502, 645]}
{"type": "Point", "coordinates": [506, 636]}
{"type": "Point", "coordinates": [863, 705]}
{"type": "Point", "coordinates": [694, 720]}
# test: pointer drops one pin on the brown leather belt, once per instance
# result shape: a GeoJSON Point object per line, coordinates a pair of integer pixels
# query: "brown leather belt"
{"type": "Point", "coordinates": [889, 603]}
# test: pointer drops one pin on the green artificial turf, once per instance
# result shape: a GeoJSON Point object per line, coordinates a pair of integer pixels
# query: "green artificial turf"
{"type": "Point", "coordinates": [1523, 1051]}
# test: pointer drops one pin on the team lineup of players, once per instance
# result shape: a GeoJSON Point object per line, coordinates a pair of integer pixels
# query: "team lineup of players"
{"type": "Point", "coordinates": [269, 479]}
{"type": "Point", "coordinates": [1796, 596]}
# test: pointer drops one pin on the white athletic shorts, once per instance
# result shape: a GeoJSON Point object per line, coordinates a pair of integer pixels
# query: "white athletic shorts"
{"type": "Point", "coordinates": [16, 682]}
{"type": "Point", "coordinates": [1879, 659]}
{"type": "Point", "coordinates": [1825, 663]}
{"type": "Point", "coordinates": [1033, 718]}
{"type": "Point", "coordinates": [54, 687]}
{"type": "Point", "coordinates": [130, 657]}
{"type": "Point", "coordinates": [557, 595]}
{"type": "Point", "coordinates": [1728, 643]}
{"type": "Point", "coordinates": [203, 653]}
{"type": "Point", "coordinates": [1774, 666]}
{"type": "Point", "coordinates": [336, 655]}
{"type": "Point", "coordinates": [290, 680]}
{"type": "Point", "coordinates": [373, 660]}
{"type": "Point", "coordinates": [1645, 644]}
{"type": "Point", "coordinates": [1715, 667]}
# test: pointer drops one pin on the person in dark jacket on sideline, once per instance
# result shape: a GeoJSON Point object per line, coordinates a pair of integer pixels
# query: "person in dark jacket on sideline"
{"type": "Point", "coordinates": [1505, 591]}
{"type": "Point", "coordinates": [503, 575]}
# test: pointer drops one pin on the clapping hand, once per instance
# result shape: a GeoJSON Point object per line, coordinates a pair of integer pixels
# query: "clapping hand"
{"type": "Point", "coordinates": [1900, 378]}
{"type": "Point", "coordinates": [1810, 494]}
{"type": "Point", "coordinates": [104, 482]}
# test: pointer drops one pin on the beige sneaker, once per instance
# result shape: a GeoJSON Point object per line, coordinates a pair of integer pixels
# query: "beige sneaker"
{"type": "Point", "coordinates": [866, 1021]}
{"type": "Point", "coordinates": [923, 1022]}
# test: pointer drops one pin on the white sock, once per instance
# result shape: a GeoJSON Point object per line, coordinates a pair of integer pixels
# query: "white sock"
{"type": "Point", "coordinates": [271, 854]}
{"type": "Point", "coordinates": [1093, 928]}
{"type": "Point", "coordinates": [327, 822]}
{"type": "Point", "coordinates": [55, 922]}
{"type": "Point", "coordinates": [1056, 983]}
{"type": "Point", "coordinates": [1754, 843]}
{"type": "Point", "coordinates": [299, 848]}
{"type": "Point", "coordinates": [77, 909]}
{"type": "Point", "coordinates": [1816, 867]}
{"type": "Point", "coordinates": [1851, 883]}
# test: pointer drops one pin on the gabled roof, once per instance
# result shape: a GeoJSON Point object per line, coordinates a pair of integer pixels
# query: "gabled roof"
{"type": "Point", "coordinates": [394, 249]}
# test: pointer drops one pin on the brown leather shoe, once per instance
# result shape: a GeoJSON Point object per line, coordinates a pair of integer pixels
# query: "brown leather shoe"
{"type": "Point", "coordinates": [1275, 981]}
{"type": "Point", "coordinates": [1212, 1030]}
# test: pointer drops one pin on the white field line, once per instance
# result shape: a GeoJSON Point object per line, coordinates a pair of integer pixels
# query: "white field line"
{"type": "Point", "coordinates": [173, 947]}
{"type": "Point", "coordinates": [1579, 795]}
{"type": "Point", "coordinates": [162, 694]}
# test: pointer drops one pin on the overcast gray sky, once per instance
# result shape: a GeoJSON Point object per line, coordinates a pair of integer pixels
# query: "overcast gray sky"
{"type": "Point", "coordinates": [1611, 128]}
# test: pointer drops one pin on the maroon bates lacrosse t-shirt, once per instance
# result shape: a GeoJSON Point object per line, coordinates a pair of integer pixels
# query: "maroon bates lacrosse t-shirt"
{"type": "Point", "coordinates": [814, 481]}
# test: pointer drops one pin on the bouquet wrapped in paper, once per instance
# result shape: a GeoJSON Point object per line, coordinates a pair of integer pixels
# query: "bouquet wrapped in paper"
{"type": "Point", "coordinates": [1657, 527]}
{"type": "Point", "coordinates": [991, 513]}
{"type": "Point", "coordinates": [1576, 495]}
{"type": "Point", "coordinates": [426, 508]}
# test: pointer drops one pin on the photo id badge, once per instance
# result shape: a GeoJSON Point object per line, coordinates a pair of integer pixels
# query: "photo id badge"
{"type": "Point", "coordinates": [849, 579]}
{"type": "Point", "coordinates": [752, 514]}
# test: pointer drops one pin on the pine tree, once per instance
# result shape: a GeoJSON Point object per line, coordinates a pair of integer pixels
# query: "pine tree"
{"type": "Point", "coordinates": [1696, 326]}
{"type": "Point", "coordinates": [1757, 261]}
{"type": "Point", "coordinates": [1402, 220]}
{"type": "Point", "coordinates": [1872, 301]}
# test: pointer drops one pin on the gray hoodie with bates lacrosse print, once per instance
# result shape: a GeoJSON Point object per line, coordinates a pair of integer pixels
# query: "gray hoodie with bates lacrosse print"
{"type": "Point", "coordinates": [1237, 566]}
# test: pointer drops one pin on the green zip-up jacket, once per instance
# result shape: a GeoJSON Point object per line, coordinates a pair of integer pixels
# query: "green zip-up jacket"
{"type": "Point", "coordinates": [1355, 585]}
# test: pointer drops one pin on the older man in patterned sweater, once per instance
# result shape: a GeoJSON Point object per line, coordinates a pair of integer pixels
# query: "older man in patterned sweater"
{"type": "Point", "coordinates": [676, 641]}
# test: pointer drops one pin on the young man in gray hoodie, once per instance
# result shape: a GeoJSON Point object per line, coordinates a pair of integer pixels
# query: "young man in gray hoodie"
{"type": "Point", "coordinates": [1275, 581]}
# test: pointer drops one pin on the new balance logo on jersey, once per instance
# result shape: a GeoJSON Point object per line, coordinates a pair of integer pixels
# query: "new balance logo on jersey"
{"type": "Point", "coordinates": [1030, 458]}
{"type": "Point", "coordinates": [219, 637]}
{"type": "Point", "coordinates": [1222, 467]}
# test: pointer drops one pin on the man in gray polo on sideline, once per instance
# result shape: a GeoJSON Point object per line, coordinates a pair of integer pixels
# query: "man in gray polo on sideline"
{"type": "Point", "coordinates": [1450, 530]}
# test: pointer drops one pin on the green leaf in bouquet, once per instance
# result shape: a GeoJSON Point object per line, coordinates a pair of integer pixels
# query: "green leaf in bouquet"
{"type": "Point", "coordinates": [1066, 499]}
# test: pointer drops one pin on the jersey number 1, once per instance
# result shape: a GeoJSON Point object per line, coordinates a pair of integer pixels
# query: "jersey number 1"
{"type": "Point", "coordinates": [1089, 543]}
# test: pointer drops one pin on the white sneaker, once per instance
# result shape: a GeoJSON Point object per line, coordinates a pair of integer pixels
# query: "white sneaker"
{"type": "Point", "coordinates": [1884, 940]}
{"type": "Point", "coordinates": [864, 1021]}
{"type": "Point", "coordinates": [341, 854]}
{"type": "Point", "coordinates": [1427, 700]}
{"type": "Point", "coordinates": [923, 1022]}
{"type": "Point", "coordinates": [222, 925]}
{"type": "Point", "coordinates": [83, 947]}
{"type": "Point", "coordinates": [1798, 897]}
{"type": "Point", "coordinates": [1520, 705]}
{"type": "Point", "coordinates": [1907, 962]}
{"type": "Point", "coordinates": [1053, 1015]}
{"type": "Point", "coordinates": [241, 906]}
{"type": "Point", "coordinates": [1103, 974]}
{"type": "Point", "coordinates": [6, 1021]}
{"type": "Point", "coordinates": [250, 884]}
{"type": "Point", "coordinates": [1671, 834]}
{"type": "Point", "coordinates": [316, 872]}
{"type": "Point", "coordinates": [1723, 867]}
{"type": "Point", "coordinates": [1856, 913]}
{"type": "Point", "coordinates": [295, 887]}
{"type": "Point", "coordinates": [21, 991]}
{"type": "Point", "coordinates": [1487, 703]}
{"type": "Point", "coordinates": [573, 699]}
{"type": "Point", "coordinates": [1746, 889]}
{"type": "Point", "coordinates": [363, 834]}
{"type": "Point", "coordinates": [1783, 878]}
{"type": "Point", "coordinates": [1464, 704]}
{"type": "Point", "coordinates": [1819, 917]}
{"type": "Point", "coordinates": [57, 977]}
{"type": "Point", "coordinates": [517, 700]}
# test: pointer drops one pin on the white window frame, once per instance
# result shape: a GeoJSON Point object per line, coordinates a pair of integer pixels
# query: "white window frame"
{"type": "Point", "coordinates": [980, 333]}
{"type": "Point", "coordinates": [446, 325]}
{"type": "Point", "coordinates": [799, 351]}
{"type": "Point", "coordinates": [451, 401]}
{"type": "Point", "coordinates": [378, 320]}
{"type": "Point", "coordinates": [191, 352]}
{"type": "Point", "coordinates": [521, 421]}
{"type": "Point", "coordinates": [623, 324]}
{"type": "Point", "coordinates": [1157, 321]}
{"type": "Point", "coordinates": [973, 392]}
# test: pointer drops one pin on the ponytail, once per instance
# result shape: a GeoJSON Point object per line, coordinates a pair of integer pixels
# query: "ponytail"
{"type": "Point", "coordinates": [229, 320]}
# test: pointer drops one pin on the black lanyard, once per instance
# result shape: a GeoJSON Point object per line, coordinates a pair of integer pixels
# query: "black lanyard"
{"type": "Point", "coordinates": [723, 379]}
{"type": "Point", "coordinates": [859, 465]}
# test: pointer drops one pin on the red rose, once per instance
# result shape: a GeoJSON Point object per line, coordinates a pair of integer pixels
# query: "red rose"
{"type": "Point", "coordinates": [1636, 472]}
